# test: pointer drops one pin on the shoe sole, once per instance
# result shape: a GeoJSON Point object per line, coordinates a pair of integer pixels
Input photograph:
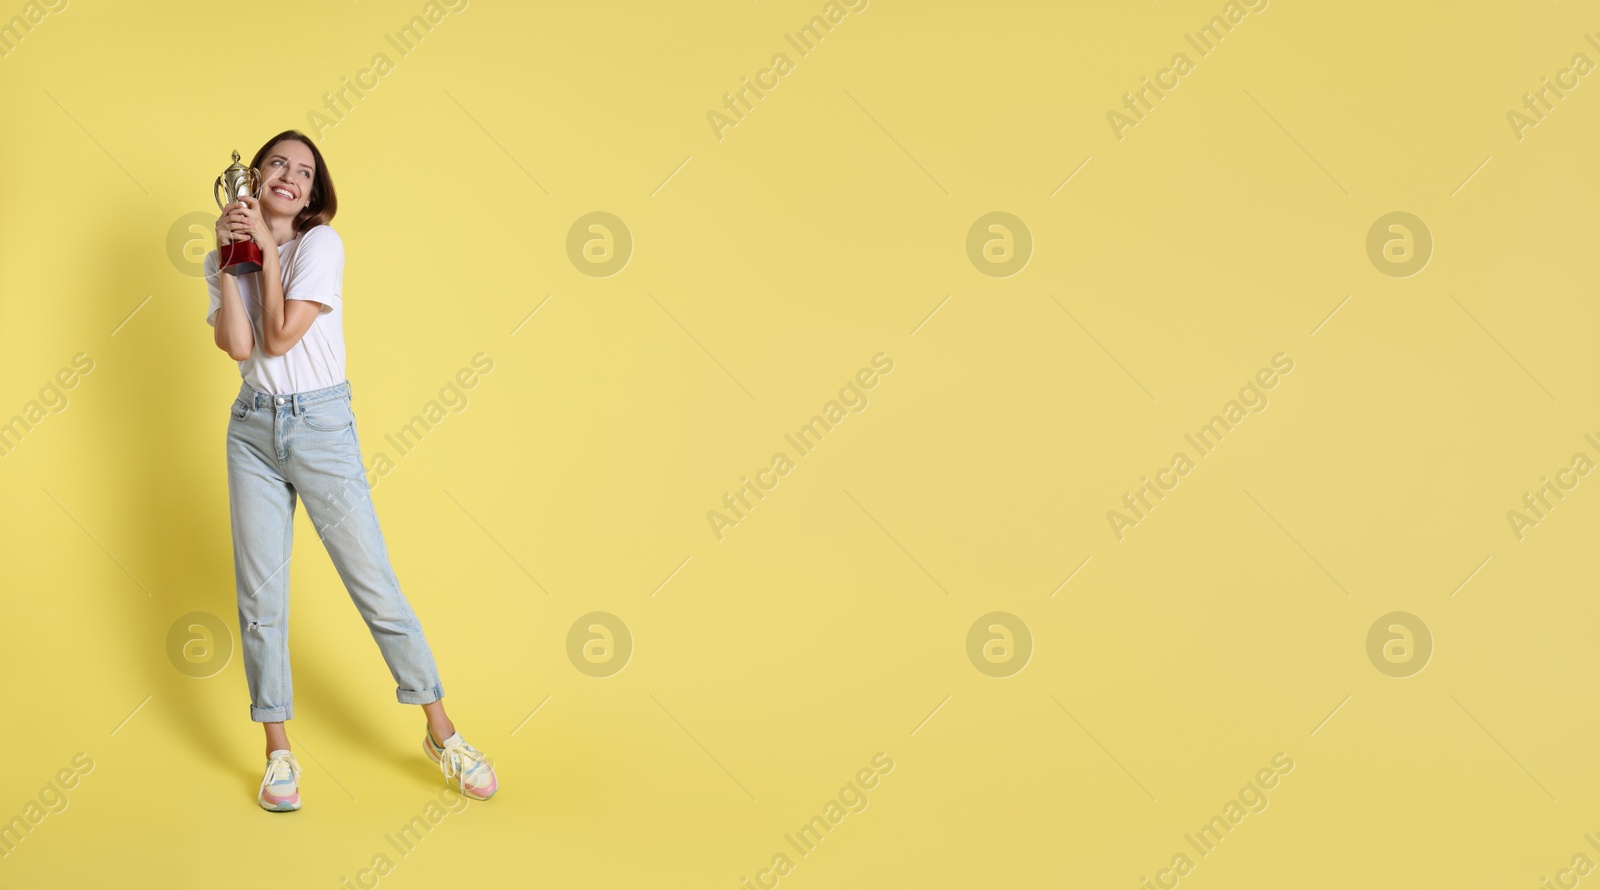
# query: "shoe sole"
{"type": "Point", "coordinates": [284, 807]}
{"type": "Point", "coordinates": [427, 747]}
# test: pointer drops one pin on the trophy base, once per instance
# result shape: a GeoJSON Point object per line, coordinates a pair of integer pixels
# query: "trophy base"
{"type": "Point", "coordinates": [239, 257]}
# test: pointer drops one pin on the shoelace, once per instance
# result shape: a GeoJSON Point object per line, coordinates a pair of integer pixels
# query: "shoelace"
{"type": "Point", "coordinates": [276, 768]}
{"type": "Point", "coordinates": [458, 759]}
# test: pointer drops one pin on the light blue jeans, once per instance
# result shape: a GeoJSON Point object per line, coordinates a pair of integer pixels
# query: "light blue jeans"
{"type": "Point", "coordinates": [304, 444]}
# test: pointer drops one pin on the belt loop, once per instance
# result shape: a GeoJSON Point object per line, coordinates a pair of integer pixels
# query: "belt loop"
{"type": "Point", "coordinates": [298, 407]}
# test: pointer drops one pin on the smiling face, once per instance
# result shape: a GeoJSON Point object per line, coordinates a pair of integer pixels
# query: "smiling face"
{"type": "Point", "coordinates": [287, 172]}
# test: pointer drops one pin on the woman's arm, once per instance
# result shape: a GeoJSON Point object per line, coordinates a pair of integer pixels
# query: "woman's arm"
{"type": "Point", "coordinates": [283, 322]}
{"type": "Point", "coordinates": [233, 334]}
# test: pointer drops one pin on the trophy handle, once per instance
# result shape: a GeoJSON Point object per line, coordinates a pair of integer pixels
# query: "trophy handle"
{"type": "Point", "coordinates": [252, 182]}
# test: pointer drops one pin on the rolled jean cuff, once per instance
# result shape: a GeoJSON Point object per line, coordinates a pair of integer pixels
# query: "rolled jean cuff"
{"type": "Point", "coordinates": [271, 715]}
{"type": "Point", "coordinates": [418, 697]}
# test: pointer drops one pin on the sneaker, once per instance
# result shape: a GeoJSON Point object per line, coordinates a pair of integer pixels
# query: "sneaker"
{"type": "Point", "coordinates": [473, 772]}
{"type": "Point", "coordinates": [280, 787]}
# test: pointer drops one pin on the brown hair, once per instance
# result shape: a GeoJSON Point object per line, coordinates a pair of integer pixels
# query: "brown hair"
{"type": "Point", "coordinates": [324, 202]}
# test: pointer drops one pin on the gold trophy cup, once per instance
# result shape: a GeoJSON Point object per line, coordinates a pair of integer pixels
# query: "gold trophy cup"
{"type": "Point", "coordinates": [238, 181]}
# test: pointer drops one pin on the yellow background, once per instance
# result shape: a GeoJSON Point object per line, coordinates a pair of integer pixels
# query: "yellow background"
{"type": "Point", "coordinates": [767, 268]}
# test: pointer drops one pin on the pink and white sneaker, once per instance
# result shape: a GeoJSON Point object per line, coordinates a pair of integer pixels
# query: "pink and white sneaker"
{"type": "Point", "coordinates": [280, 787]}
{"type": "Point", "coordinates": [471, 768]}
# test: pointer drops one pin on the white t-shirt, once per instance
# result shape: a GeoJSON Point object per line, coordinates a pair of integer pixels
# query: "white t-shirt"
{"type": "Point", "coordinates": [313, 269]}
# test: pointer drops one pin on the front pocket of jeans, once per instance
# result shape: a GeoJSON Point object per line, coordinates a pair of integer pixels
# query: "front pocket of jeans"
{"type": "Point", "coordinates": [240, 409]}
{"type": "Point", "coordinates": [328, 417]}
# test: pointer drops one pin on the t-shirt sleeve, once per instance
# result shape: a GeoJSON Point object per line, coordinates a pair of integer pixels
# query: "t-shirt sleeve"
{"type": "Point", "coordinates": [214, 285]}
{"type": "Point", "coordinates": [318, 272]}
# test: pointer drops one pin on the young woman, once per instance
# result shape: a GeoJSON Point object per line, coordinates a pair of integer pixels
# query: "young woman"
{"type": "Point", "coordinates": [292, 434]}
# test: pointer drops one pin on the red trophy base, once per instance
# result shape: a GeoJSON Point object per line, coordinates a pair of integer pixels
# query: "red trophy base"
{"type": "Point", "coordinates": [239, 257]}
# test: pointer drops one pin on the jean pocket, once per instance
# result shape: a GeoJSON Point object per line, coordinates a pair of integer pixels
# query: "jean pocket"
{"type": "Point", "coordinates": [331, 416]}
{"type": "Point", "coordinates": [240, 409]}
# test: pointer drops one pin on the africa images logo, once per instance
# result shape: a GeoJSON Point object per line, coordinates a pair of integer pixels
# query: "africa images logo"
{"type": "Point", "coordinates": [1252, 400]}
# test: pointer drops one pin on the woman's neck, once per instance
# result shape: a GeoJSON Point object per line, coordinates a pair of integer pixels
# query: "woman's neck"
{"type": "Point", "coordinates": [282, 227]}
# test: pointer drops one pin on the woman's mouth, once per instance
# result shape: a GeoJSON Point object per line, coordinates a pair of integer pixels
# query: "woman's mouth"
{"type": "Point", "coordinates": [283, 193]}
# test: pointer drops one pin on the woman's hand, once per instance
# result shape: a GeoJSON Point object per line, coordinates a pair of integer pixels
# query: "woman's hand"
{"type": "Point", "coordinates": [224, 230]}
{"type": "Point", "coordinates": [249, 224]}
{"type": "Point", "coordinates": [236, 222]}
